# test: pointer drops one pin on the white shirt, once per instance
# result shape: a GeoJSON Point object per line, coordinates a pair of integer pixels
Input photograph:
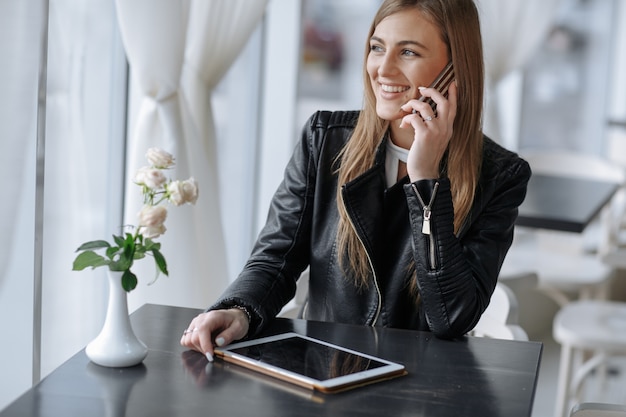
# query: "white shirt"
{"type": "Point", "coordinates": [393, 156]}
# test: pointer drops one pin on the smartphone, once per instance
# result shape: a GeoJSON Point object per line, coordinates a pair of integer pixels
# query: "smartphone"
{"type": "Point", "coordinates": [441, 83]}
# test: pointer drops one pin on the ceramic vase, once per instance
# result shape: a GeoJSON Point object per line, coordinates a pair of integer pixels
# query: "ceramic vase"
{"type": "Point", "coordinates": [117, 345]}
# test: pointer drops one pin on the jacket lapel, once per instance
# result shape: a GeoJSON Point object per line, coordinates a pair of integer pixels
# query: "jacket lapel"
{"type": "Point", "coordinates": [363, 198]}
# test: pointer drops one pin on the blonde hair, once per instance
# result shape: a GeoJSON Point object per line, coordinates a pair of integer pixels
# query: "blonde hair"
{"type": "Point", "coordinates": [459, 28]}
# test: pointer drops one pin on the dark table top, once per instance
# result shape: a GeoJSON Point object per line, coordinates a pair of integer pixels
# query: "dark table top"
{"type": "Point", "coordinates": [563, 203]}
{"type": "Point", "coordinates": [466, 377]}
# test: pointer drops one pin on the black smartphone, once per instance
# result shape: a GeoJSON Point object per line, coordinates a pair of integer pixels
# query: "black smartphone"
{"type": "Point", "coordinates": [441, 83]}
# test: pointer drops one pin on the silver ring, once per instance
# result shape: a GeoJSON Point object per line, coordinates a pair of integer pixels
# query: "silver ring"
{"type": "Point", "coordinates": [187, 331]}
{"type": "Point", "coordinates": [428, 119]}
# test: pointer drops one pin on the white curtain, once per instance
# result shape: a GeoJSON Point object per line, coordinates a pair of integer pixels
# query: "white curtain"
{"type": "Point", "coordinates": [178, 51]}
{"type": "Point", "coordinates": [20, 37]}
{"type": "Point", "coordinates": [81, 110]}
{"type": "Point", "coordinates": [511, 30]}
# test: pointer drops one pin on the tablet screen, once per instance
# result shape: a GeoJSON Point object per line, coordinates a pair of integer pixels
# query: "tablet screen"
{"type": "Point", "coordinates": [310, 362]}
{"type": "Point", "coordinates": [308, 358]}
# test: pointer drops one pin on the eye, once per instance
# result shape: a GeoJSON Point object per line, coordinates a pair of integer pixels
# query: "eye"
{"type": "Point", "coordinates": [376, 48]}
{"type": "Point", "coordinates": [408, 52]}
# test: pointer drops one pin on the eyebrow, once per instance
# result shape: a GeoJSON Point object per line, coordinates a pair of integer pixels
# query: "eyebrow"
{"type": "Point", "coordinates": [401, 43]}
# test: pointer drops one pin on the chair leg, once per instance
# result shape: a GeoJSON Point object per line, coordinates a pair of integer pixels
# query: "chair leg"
{"type": "Point", "coordinates": [563, 388]}
{"type": "Point", "coordinates": [596, 362]}
{"type": "Point", "coordinates": [556, 295]}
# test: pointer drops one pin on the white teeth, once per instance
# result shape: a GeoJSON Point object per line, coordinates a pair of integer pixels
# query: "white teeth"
{"type": "Point", "coordinates": [393, 89]}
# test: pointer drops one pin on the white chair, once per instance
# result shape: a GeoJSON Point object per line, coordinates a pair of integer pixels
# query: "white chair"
{"type": "Point", "coordinates": [499, 320]}
{"type": "Point", "coordinates": [567, 263]}
{"type": "Point", "coordinates": [590, 332]}
{"type": "Point", "coordinates": [598, 410]}
{"type": "Point", "coordinates": [614, 253]}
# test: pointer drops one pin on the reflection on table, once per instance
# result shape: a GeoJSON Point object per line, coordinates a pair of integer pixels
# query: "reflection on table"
{"type": "Point", "coordinates": [470, 376]}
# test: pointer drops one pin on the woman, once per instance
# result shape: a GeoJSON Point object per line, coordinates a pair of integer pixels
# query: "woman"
{"type": "Point", "coordinates": [403, 213]}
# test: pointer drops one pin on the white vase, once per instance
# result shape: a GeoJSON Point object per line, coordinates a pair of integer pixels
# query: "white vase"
{"type": "Point", "coordinates": [117, 345]}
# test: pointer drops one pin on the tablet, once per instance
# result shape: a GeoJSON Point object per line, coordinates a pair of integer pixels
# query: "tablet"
{"type": "Point", "coordinates": [309, 362]}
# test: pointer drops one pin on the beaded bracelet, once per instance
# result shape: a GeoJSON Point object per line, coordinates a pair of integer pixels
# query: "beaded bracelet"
{"type": "Point", "coordinates": [246, 311]}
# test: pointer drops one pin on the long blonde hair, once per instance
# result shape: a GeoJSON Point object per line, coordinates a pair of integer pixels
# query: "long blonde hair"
{"type": "Point", "coordinates": [459, 27]}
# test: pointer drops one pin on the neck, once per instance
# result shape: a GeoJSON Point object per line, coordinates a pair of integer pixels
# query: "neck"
{"type": "Point", "coordinates": [401, 137]}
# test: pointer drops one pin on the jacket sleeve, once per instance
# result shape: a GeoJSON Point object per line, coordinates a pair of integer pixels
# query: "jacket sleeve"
{"type": "Point", "coordinates": [280, 254]}
{"type": "Point", "coordinates": [456, 275]}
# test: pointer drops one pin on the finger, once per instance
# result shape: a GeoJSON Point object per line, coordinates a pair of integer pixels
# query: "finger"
{"type": "Point", "coordinates": [191, 337]}
{"type": "Point", "coordinates": [227, 337]}
{"type": "Point", "coordinates": [211, 324]}
{"type": "Point", "coordinates": [429, 118]}
{"type": "Point", "coordinates": [419, 112]}
{"type": "Point", "coordinates": [205, 344]}
{"type": "Point", "coordinates": [186, 337]}
{"type": "Point", "coordinates": [415, 106]}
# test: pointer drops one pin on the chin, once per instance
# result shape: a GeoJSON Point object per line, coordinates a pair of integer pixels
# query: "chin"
{"type": "Point", "coordinates": [388, 113]}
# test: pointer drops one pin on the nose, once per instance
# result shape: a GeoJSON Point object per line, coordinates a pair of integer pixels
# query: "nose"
{"type": "Point", "coordinates": [387, 65]}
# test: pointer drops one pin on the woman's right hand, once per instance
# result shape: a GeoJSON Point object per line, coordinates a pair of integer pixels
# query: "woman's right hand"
{"type": "Point", "coordinates": [432, 131]}
{"type": "Point", "coordinates": [215, 328]}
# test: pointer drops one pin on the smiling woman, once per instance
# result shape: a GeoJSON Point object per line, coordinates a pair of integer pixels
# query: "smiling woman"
{"type": "Point", "coordinates": [421, 251]}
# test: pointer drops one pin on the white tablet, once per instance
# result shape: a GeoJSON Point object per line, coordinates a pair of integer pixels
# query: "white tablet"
{"type": "Point", "coordinates": [310, 362]}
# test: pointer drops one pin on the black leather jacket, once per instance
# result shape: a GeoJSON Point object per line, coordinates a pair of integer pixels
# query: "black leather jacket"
{"type": "Point", "coordinates": [456, 273]}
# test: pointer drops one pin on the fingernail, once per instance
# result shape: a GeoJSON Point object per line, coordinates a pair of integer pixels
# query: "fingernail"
{"type": "Point", "coordinates": [421, 88]}
{"type": "Point", "coordinates": [209, 356]}
{"type": "Point", "coordinates": [219, 341]}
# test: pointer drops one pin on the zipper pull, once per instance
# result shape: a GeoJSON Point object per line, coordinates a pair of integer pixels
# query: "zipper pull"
{"type": "Point", "coordinates": [426, 222]}
{"type": "Point", "coordinates": [426, 207]}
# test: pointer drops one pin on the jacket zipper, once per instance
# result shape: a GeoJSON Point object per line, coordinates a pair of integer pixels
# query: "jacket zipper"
{"type": "Point", "coordinates": [426, 229]}
{"type": "Point", "coordinates": [369, 260]}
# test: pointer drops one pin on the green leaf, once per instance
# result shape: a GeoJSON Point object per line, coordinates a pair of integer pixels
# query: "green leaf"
{"type": "Point", "coordinates": [112, 251]}
{"type": "Point", "coordinates": [119, 241]}
{"type": "Point", "coordinates": [140, 254]}
{"type": "Point", "coordinates": [160, 261]}
{"type": "Point", "coordinates": [129, 281]}
{"type": "Point", "coordinates": [151, 245]}
{"type": "Point", "coordinates": [94, 244]}
{"type": "Point", "coordinates": [89, 258]}
{"type": "Point", "coordinates": [122, 264]}
{"type": "Point", "coordinates": [128, 249]}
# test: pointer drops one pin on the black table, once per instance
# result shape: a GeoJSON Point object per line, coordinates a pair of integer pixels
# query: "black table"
{"type": "Point", "coordinates": [466, 377]}
{"type": "Point", "coordinates": [563, 203]}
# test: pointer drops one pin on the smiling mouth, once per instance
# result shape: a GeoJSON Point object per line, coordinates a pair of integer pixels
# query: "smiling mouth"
{"type": "Point", "coordinates": [393, 88]}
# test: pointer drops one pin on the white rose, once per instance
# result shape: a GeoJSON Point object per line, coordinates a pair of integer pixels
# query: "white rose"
{"type": "Point", "coordinates": [152, 232]}
{"type": "Point", "coordinates": [190, 190]}
{"type": "Point", "coordinates": [176, 193]}
{"type": "Point", "coordinates": [159, 158]}
{"type": "Point", "coordinates": [181, 192]}
{"type": "Point", "coordinates": [152, 216]}
{"type": "Point", "coordinates": [150, 177]}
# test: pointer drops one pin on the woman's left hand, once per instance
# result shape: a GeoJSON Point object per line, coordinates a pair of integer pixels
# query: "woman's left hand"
{"type": "Point", "coordinates": [432, 131]}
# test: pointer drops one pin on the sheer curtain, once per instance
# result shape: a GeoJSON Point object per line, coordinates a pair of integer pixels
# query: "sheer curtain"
{"type": "Point", "coordinates": [84, 137]}
{"type": "Point", "coordinates": [178, 51]}
{"type": "Point", "coordinates": [511, 32]}
{"type": "Point", "coordinates": [20, 38]}
{"type": "Point", "coordinates": [85, 70]}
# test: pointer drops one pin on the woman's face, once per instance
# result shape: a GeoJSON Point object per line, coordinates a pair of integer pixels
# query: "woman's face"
{"type": "Point", "coordinates": [406, 52]}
